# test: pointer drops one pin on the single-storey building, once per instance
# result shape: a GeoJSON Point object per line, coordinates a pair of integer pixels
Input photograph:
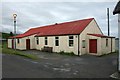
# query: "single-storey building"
{"type": "Point", "coordinates": [80, 37]}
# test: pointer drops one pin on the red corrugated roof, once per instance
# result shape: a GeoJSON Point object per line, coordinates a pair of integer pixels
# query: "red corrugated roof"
{"type": "Point", "coordinates": [101, 35]}
{"type": "Point", "coordinates": [67, 28]}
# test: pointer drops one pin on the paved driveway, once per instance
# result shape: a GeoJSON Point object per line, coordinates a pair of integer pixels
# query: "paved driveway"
{"type": "Point", "coordinates": [54, 65]}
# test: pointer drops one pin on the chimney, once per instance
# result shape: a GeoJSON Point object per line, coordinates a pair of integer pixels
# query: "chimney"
{"type": "Point", "coordinates": [56, 23]}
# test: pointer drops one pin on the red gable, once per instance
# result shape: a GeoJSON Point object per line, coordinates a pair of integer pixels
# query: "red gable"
{"type": "Point", "coordinates": [67, 28]}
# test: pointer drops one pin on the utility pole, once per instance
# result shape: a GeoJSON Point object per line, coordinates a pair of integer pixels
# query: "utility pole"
{"type": "Point", "coordinates": [108, 22]}
{"type": "Point", "coordinates": [14, 16]}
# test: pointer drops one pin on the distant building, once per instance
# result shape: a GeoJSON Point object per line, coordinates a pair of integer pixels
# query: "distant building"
{"type": "Point", "coordinates": [81, 37]}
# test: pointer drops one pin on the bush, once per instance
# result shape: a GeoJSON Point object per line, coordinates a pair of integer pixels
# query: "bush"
{"type": "Point", "coordinates": [61, 52]}
{"type": "Point", "coordinates": [66, 53]}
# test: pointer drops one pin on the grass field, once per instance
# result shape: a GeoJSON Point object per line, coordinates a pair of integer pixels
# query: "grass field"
{"type": "Point", "coordinates": [5, 50]}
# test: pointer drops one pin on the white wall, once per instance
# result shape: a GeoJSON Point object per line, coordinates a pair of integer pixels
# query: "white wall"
{"type": "Point", "coordinates": [63, 44]}
{"type": "Point", "coordinates": [9, 43]}
{"type": "Point", "coordinates": [113, 44]}
{"type": "Point", "coordinates": [92, 28]}
{"type": "Point", "coordinates": [22, 43]}
{"type": "Point", "coordinates": [107, 49]}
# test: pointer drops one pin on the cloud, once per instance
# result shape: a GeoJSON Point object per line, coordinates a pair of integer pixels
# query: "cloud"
{"type": "Point", "coordinates": [59, 0]}
{"type": "Point", "coordinates": [34, 14]}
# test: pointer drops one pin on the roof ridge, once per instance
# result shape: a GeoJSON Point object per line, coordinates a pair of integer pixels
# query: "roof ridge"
{"type": "Point", "coordinates": [62, 23]}
{"type": "Point", "coordinates": [71, 27]}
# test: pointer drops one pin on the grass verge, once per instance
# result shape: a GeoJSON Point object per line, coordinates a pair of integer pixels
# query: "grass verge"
{"type": "Point", "coordinates": [66, 53]}
{"type": "Point", "coordinates": [16, 52]}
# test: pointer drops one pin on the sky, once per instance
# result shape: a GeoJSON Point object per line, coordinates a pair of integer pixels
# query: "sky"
{"type": "Point", "coordinates": [36, 14]}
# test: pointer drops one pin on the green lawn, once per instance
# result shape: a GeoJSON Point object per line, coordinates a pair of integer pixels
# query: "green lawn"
{"type": "Point", "coordinates": [5, 50]}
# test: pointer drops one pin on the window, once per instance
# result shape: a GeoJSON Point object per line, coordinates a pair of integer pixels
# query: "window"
{"type": "Point", "coordinates": [18, 41]}
{"type": "Point", "coordinates": [83, 43]}
{"type": "Point", "coordinates": [46, 41]}
{"type": "Point", "coordinates": [37, 40]}
{"type": "Point", "coordinates": [106, 42]}
{"type": "Point", "coordinates": [56, 41]}
{"type": "Point", "coordinates": [71, 42]}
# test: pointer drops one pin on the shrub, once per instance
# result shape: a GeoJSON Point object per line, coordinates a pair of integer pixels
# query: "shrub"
{"type": "Point", "coordinates": [66, 53]}
{"type": "Point", "coordinates": [61, 52]}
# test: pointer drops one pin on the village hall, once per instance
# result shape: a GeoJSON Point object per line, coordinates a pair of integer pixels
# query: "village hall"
{"type": "Point", "coordinates": [80, 37]}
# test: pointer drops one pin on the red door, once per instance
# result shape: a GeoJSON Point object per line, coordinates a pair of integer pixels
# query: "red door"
{"type": "Point", "coordinates": [28, 44]}
{"type": "Point", "coordinates": [12, 43]}
{"type": "Point", "coordinates": [93, 45]}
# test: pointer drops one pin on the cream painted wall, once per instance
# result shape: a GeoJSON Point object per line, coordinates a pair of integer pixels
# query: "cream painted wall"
{"type": "Point", "coordinates": [22, 44]}
{"type": "Point", "coordinates": [113, 44]}
{"type": "Point", "coordinates": [92, 28]}
{"type": "Point", "coordinates": [9, 43]}
{"type": "Point", "coordinates": [63, 44]}
{"type": "Point", "coordinates": [107, 49]}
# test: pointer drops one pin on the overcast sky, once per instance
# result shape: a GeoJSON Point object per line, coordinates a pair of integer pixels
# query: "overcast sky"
{"type": "Point", "coordinates": [35, 14]}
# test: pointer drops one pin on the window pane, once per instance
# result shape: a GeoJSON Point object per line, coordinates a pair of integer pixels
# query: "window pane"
{"type": "Point", "coordinates": [37, 40]}
{"type": "Point", "coordinates": [45, 42]}
{"type": "Point", "coordinates": [45, 37]}
{"type": "Point", "coordinates": [83, 43]}
{"type": "Point", "coordinates": [70, 37]}
{"type": "Point", "coordinates": [56, 42]}
{"type": "Point", "coordinates": [70, 42]}
{"type": "Point", "coordinates": [18, 40]}
{"type": "Point", "coordinates": [106, 42]}
{"type": "Point", "coordinates": [56, 37]}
